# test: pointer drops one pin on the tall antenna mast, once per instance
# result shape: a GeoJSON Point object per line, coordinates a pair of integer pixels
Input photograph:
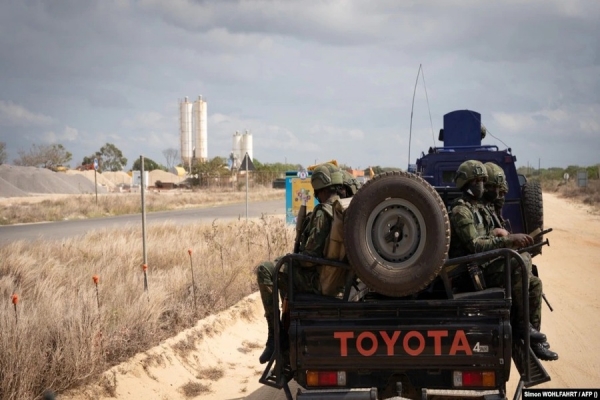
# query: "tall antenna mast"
{"type": "Point", "coordinates": [411, 112]}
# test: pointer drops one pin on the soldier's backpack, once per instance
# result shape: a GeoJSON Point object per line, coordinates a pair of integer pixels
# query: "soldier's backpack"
{"type": "Point", "coordinates": [333, 279]}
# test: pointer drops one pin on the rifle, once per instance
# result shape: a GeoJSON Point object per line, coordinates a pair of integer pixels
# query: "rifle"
{"type": "Point", "coordinates": [539, 232]}
{"type": "Point", "coordinates": [299, 223]}
{"type": "Point", "coordinates": [285, 314]}
{"type": "Point", "coordinates": [535, 234]}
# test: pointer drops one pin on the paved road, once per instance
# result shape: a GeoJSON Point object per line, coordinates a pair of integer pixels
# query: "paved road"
{"type": "Point", "coordinates": [65, 229]}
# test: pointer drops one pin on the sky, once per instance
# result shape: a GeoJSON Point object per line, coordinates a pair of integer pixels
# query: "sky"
{"type": "Point", "coordinates": [311, 80]}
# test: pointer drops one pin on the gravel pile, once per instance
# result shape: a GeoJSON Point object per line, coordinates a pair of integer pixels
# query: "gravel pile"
{"type": "Point", "coordinates": [18, 181]}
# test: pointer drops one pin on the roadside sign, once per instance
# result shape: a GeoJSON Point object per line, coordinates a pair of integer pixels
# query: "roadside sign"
{"type": "Point", "coordinates": [247, 164]}
{"type": "Point", "coordinates": [297, 187]}
{"type": "Point", "coordinates": [582, 178]}
{"type": "Point", "coordinates": [95, 164]}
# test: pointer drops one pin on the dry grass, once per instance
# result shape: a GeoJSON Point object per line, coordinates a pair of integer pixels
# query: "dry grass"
{"type": "Point", "coordinates": [247, 346]}
{"type": "Point", "coordinates": [193, 389]}
{"type": "Point", "coordinates": [211, 374]}
{"type": "Point", "coordinates": [589, 195]}
{"type": "Point", "coordinates": [61, 208]}
{"type": "Point", "coordinates": [62, 338]}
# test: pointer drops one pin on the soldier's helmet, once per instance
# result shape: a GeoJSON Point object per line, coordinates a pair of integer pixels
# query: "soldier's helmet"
{"type": "Point", "coordinates": [326, 175]}
{"type": "Point", "coordinates": [350, 182]}
{"type": "Point", "coordinates": [469, 170]}
{"type": "Point", "coordinates": [496, 176]}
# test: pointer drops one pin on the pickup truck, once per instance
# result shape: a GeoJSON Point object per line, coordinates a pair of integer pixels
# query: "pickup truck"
{"type": "Point", "coordinates": [400, 330]}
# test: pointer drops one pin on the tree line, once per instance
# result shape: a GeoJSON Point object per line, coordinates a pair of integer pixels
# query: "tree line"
{"type": "Point", "coordinates": [555, 173]}
{"type": "Point", "coordinates": [110, 158]}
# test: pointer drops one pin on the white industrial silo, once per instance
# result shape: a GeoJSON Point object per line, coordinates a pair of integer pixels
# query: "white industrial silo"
{"type": "Point", "coordinates": [237, 149]}
{"type": "Point", "coordinates": [199, 123]}
{"type": "Point", "coordinates": [185, 129]}
{"type": "Point", "coordinates": [246, 145]}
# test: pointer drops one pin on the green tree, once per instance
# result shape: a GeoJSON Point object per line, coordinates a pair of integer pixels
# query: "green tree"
{"type": "Point", "coordinates": [44, 156]}
{"type": "Point", "coordinates": [2, 153]}
{"type": "Point", "coordinates": [110, 158]}
{"type": "Point", "coordinates": [216, 166]}
{"type": "Point", "coordinates": [593, 171]}
{"type": "Point", "coordinates": [149, 165]}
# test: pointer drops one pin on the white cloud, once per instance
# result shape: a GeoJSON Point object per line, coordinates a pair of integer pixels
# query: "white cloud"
{"type": "Point", "coordinates": [334, 134]}
{"type": "Point", "coordinates": [145, 120]}
{"type": "Point", "coordinates": [69, 134]}
{"type": "Point", "coordinates": [12, 114]}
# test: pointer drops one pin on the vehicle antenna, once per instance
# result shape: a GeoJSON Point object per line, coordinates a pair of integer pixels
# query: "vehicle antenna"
{"type": "Point", "coordinates": [411, 113]}
{"type": "Point", "coordinates": [428, 108]}
{"type": "Point", "coordinates": [419, 71]}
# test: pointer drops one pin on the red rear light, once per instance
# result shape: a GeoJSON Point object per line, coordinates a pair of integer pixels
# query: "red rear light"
{"type": "Point", "coordinates": [325, 378]}
{"type": "Point", "coordinates": [328, 378]}
{"type": "Point", "coordinates": [474, 378]}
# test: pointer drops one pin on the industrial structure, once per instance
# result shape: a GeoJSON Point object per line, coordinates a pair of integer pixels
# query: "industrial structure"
{"type": "Point", "coordinates": [242, 144]}
{"type": "Point", "coordinates": [193, 130]}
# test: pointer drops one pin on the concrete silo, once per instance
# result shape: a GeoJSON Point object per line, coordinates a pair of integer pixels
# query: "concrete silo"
{"type": "Point", "coordinates": [199, 126]}
{"type": "Point", "coordinates": [246, 146]}
{"type": "Point", "coordinates": [236, 150]}
{"type": "Point", "coordinates": [185, 129]}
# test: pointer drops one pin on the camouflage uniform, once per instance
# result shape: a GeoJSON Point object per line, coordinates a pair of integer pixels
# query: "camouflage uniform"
{"type": "Point", "coordinates": [306, 278]}
{"type": "Point", "coordinates": [497, 181]}
{"type": "Point", "coordinates": [325, 180]}
{"type": "Point", "coordinates": [471, 233]}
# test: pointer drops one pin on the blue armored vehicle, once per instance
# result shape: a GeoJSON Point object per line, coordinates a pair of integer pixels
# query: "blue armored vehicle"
{"type": "Point", "coordinates": [462, 137]}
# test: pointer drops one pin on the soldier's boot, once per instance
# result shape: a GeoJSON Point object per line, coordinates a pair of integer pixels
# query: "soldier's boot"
{"type": "Point", "coordinates": [270, 345]}
{"type": "Point", "coordinates": [543, 353]}
{"type": "Point", "coordinates": [535, 335]}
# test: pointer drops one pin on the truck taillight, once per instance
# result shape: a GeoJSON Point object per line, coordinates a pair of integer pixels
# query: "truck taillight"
{"type": "Point", "coordinates": [474, 378]}
{"type": "Point", "coordinates": [325, 378]}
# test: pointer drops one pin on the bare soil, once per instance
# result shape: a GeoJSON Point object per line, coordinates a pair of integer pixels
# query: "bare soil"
{"type": "Point", "coordinates": [231, 341]}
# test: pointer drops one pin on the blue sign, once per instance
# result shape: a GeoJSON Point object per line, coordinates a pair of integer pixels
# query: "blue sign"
{"type": "Point", "coordinates": [95, 164]}
{"type": "Point", "coordinates": [297, 187]}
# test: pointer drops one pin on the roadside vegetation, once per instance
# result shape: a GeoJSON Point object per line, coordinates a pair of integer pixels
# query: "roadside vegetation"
{"type": "Point", "coordinates": [84, 206]}
{"type": "Point", "coordinates": [553, 181]}
{"type": "Point", "coordinates": [70, 309]}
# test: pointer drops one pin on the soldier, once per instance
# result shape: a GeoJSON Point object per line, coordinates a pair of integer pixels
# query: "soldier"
{"type": "Point", "coordinates": [326, 181]}
{"type": "Point", "coordinates": [493, 195]}
{"type": "Point", "coordinates": [496, 189]}
{"type": "Point", "coordinates": [350, 186]}
{"type": "Point", "coordinates": [472, 231]}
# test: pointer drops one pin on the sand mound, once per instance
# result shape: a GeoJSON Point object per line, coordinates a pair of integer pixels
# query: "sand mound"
{"type": "Point", "coordinates": [220, 353]}
{"type": "Point", "coordinates": [117, 177]}
{"type": "Point", "coordinates": [100, 178]}
{"type": "Point", "coordinates": [18, 181]}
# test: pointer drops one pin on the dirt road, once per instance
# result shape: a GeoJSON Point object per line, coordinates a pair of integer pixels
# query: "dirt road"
{"type": "Point", "coordinates": [223, 364]}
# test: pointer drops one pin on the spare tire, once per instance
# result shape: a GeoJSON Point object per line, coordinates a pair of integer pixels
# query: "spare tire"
{"type": "Point", "coordinates": [397, 233]}
{"type": "Point", "coordinates": [533, 211]}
